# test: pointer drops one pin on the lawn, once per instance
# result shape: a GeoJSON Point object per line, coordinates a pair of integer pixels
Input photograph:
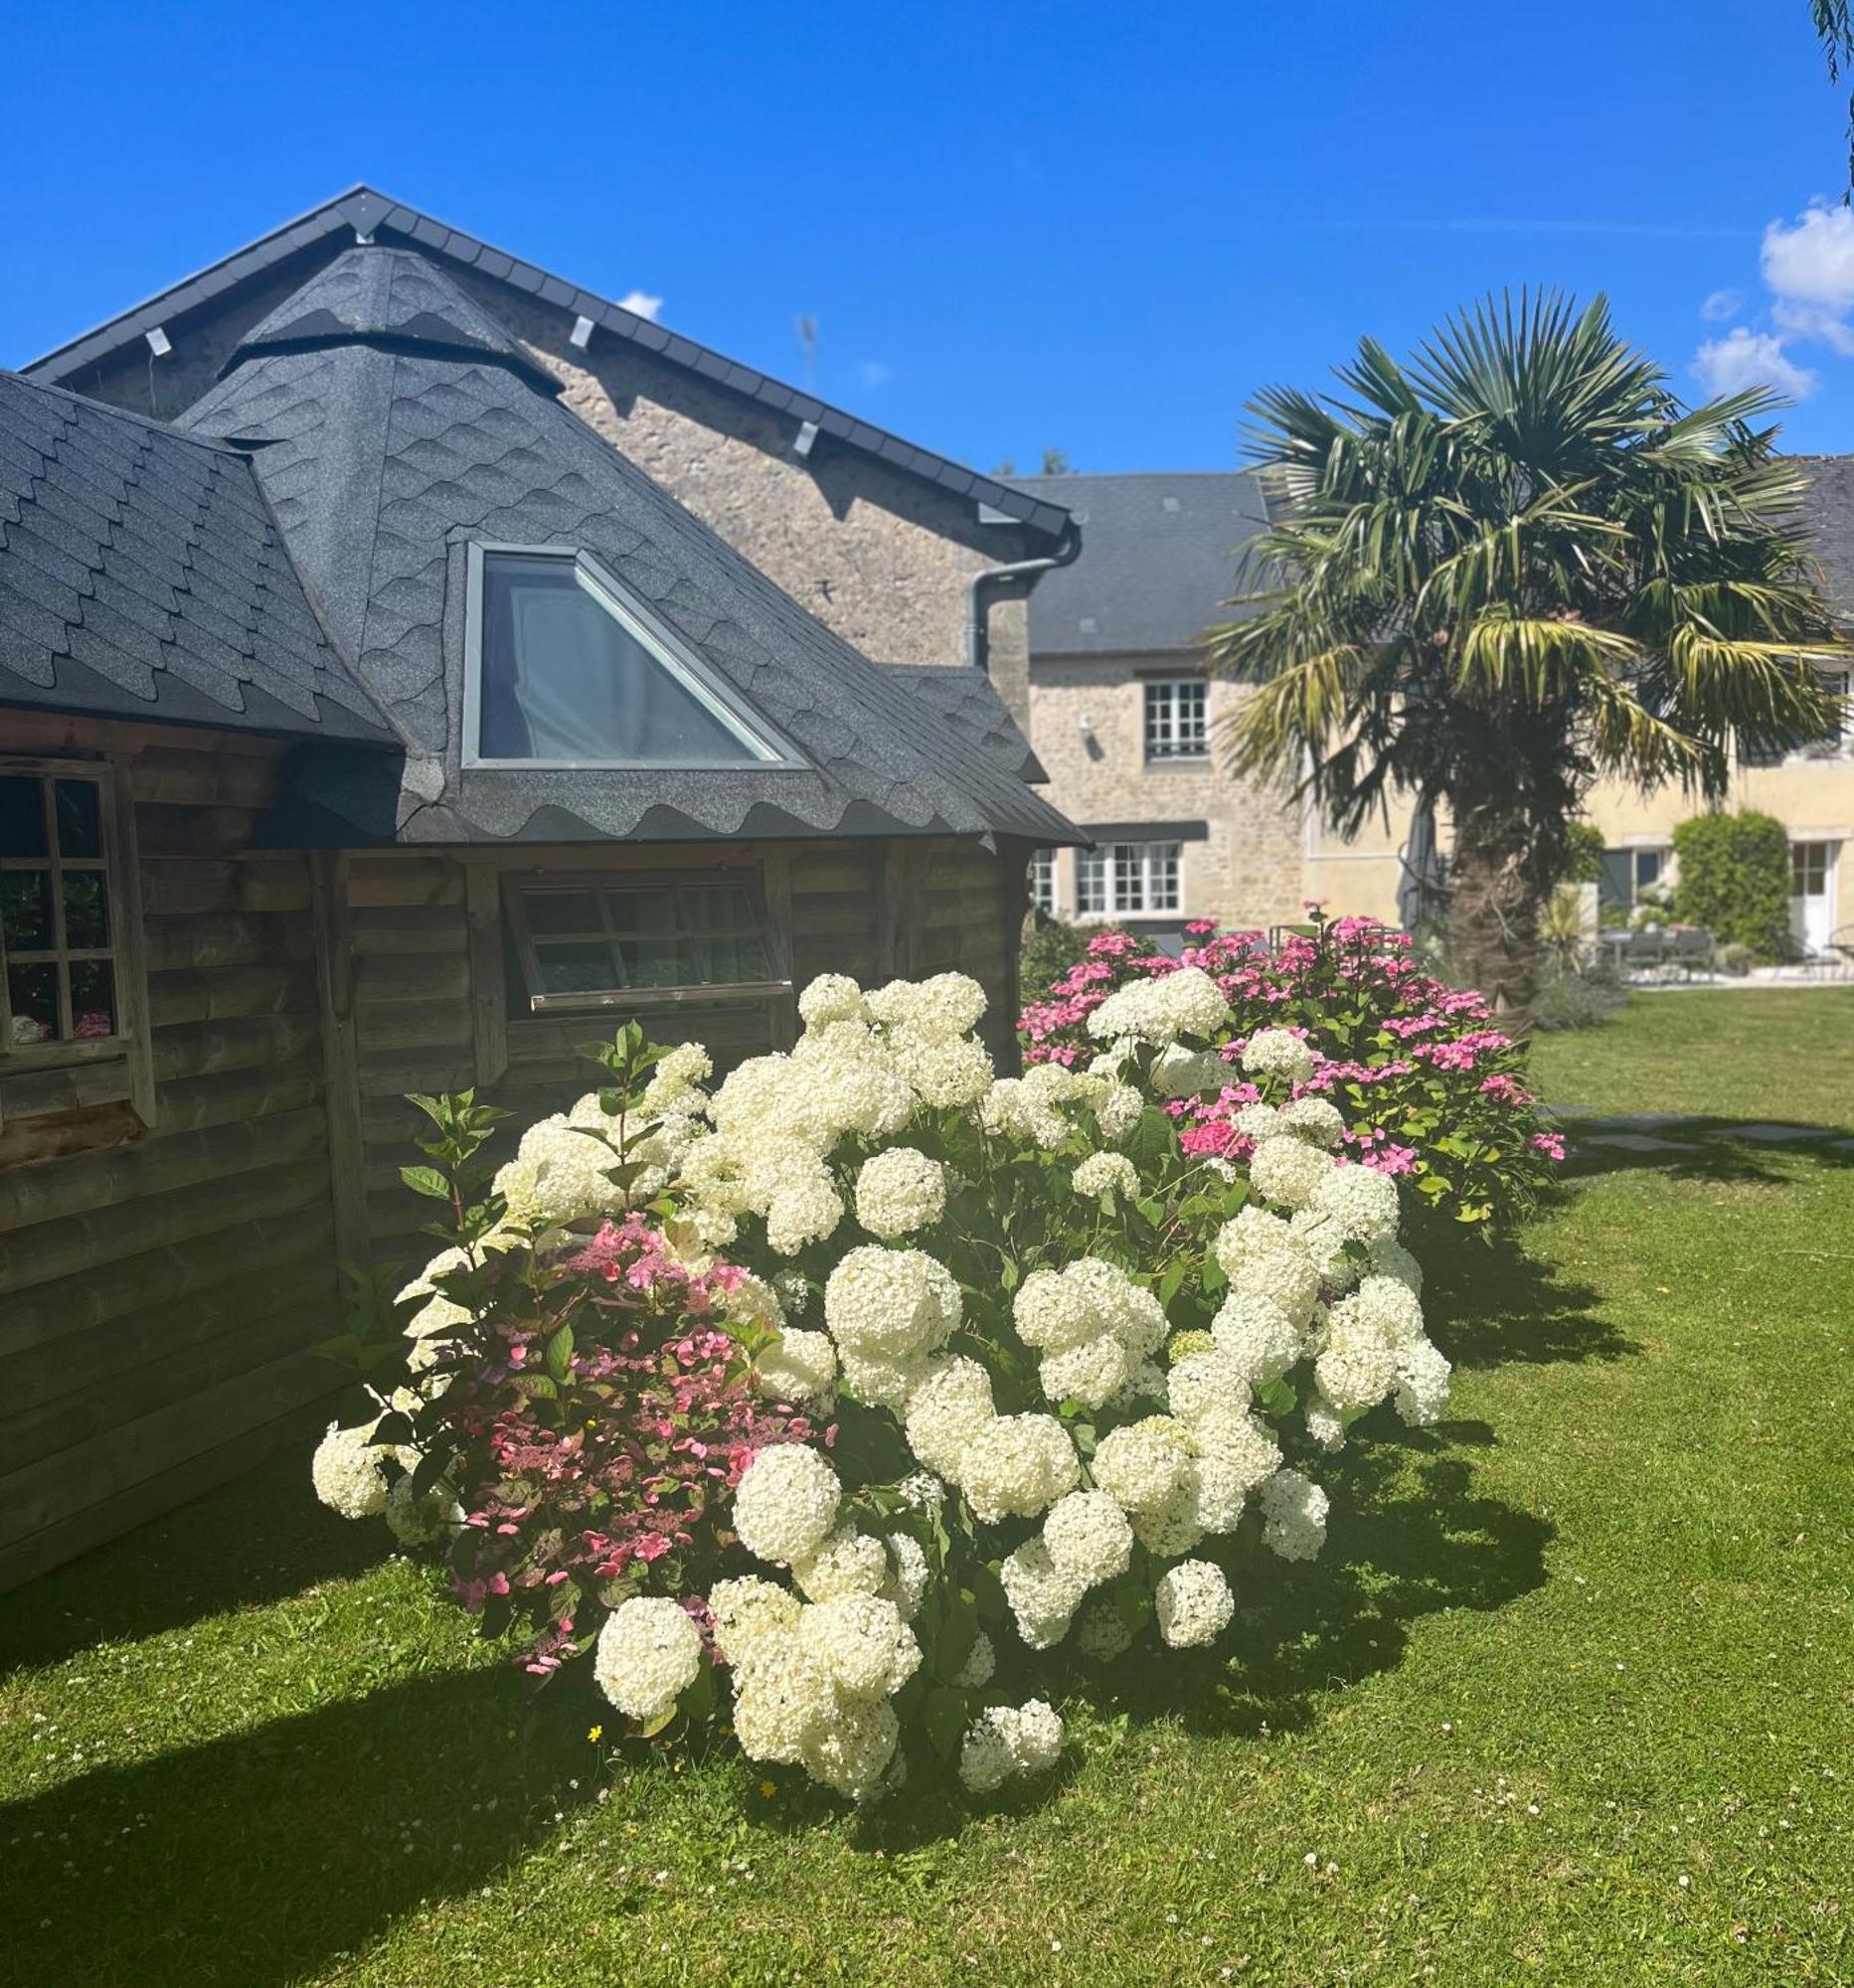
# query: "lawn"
{"type": "Point", "coordinates": [1567, 1700]}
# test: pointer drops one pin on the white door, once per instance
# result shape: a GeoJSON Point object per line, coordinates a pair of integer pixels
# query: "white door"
{"type": "Point", "coordinates": [1813, 893]}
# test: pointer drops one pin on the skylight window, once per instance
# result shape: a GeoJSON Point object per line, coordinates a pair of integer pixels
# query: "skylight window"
{"type": "Point", "coordinates": [565, 668]}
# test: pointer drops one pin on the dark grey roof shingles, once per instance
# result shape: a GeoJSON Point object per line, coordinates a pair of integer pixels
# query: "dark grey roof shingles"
{"type": "Point", "coordinates": [1157, 562]}
{"type": "Point", "coordinates": [382, 450]}
{"type": "Point", "coordinates": [362, 211]}
{"type": "Point", "coordinates": [140, 575]}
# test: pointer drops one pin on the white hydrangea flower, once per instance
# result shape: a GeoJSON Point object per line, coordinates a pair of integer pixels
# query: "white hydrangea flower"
{"type": "Point", "coordinates": [941, 1007]}
{"type": "Point", "coordinates": [1421, 1384]}
{"type": "Point", "coordinates": [1287, 1170]}
{"type": "Point", "coordinates": [672, 1085]}
{"type": "Point", "coordinates": [1187, 1002]}
{"type": "Point", "coordinates": [786, 1502]}
{"type": "Point", "coordinates": [1317, 1120]}
{"type": "Point", "coordinates": [1102, 1633]}
{"type": "Point", "coordinates": [559, 1174]}
{"type": "Point", "coordinates": [1357, 1368]}
{"type": "Point", "coordinates": [746, 1608]}
{"type": "Point", "coordinates": [1319, 1238]}
{"type": "Point", "coordinates": [1174, 1527]}
{"type": "Point", "coordinates": [1091, 1372]}
{"type": "Point", "coordinates": [753, 1301]}
{"type": "Point", "coordinates": [1143, 1464]}
{"type": "Point", "coordinates": [1006, 1742]}
{"type": "Point", "coordinates": [807, 1210]}
{"type": "Point", "coordinates": [847, 1563]}
{"type": "Point", "coordinates": [1287, 1279]}
{"type": "Point", "coordinates": [907, 1582]}
{"type": "Point", "coordinates": [851, 1751]}
{"type": "Point", "coordinates": [1181, 1072]}
{"type": "Point", "coordinates": [1294, 1510]}
{"type": "Point", "coordinates": [1388, 1306]}
{"type": "Point", "coordinates": [1258, 1122]}
{"type": "Point", "coordinates": [946, 1411]}
{"type": "Point", "coordinates": [1254, 1231]}
{"type": "Point", "coordinates": [1361, 1202]}
{"type": "Point", "coordinates": [1256, 1336]}
{"type": "Point", "coordinates": [889, 1305]}
{"type": "Point", "coordinates": [1234, 1456]}
{"type": "Point", "coordinates": [1325, 1424]}
{"type": "Point", "coordinates": [647, 1655]}
{"type": "Point", "coordinates": [1087, 1538]}
{"type": "Point", "coordinates": [945, 1075]}
{"type": "Point", "coordinates": [1388, 1259]}
{"type": "Point", "coordinates": [1017, 1466]}
{"type": "Point", "coordinates": [1145, 1384]}
{"type": "Point", "coordinates": [899, 1191]}
{"type": "Point", "coordinates": [980, 1661]}
{"type": "Point", "coordinates": [865, 1647]}
{"type": "Point", "coordinates": [885, 1384]}
{"type": "Point", "coordinates": [349, 1471]}
{"type": "Point", "coordinates": [1118, 1109]}
{"type": "Point", "coordinates": [1051, 1312]}
{"type": "Point", "coordinates": [1043, 1597]}
{"type": "Point", "coordinates": [1277, 1052]}
{"type": "Point", "coordinates": [782, 1696]}
{"type": "Point", "coordinates": [417, 1517]}
{"type": "Point", "coordinates": [1193, 1604]}
{"type": "Point", "coordinates": [1203, 1383]}
{"type": "Point", "coordinates": [1013, 1109]}
{"type": "Point", "coordinates": [831, 997]}
{"type": "Point", "coordinates": [802, 1366]}
{"type": "Point", "coordinates": [1103, 1174]}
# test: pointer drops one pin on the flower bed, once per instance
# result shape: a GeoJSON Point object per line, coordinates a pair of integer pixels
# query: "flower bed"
{"type": "Point", "coordinates": [873, 1380]}
{"type": "Point", "coordinates": [1429, 1088]}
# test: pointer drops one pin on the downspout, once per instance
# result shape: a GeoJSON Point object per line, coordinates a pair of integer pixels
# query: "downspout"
{"type": "Point", "coordinates": [977, 621]}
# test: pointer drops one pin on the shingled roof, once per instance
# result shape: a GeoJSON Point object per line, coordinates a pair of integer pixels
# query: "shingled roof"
{"type": "Point", "coordinates": [142, 576]}
{"type": "Point", "coordinates": [1157, 565]}
{"type": "Point", "coordinates": [364, 213]}
{"type": "Point", "coordinates": [388, 432]}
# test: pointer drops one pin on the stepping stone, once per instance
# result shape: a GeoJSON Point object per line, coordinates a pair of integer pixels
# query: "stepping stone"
{"type": "Point", "coordinates": [1636, 1142]}
{"type": "Point", "coordinates": [1771, 1135]}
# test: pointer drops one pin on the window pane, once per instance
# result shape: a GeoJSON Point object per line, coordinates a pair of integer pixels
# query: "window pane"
{"type": "Point", "coordinates": [92, 998]}
{"type": "Point", "coordinates": [33, 991]}
{"type": "Point", "coordinates": [79, 818]}
{"type": "Point", "coordinates": [653, 963]}
{"type": "Point", "coordinates": [648, 913]}
{"type": "Point", "coordinates": [87, 909]}
{"type": "Point", "coordinates": [26, 911]}
{"type": "Point", "coordinates": [22, 816]}
{"type": "Point", "coordinates": [563, 679]}
{"type": "Point", "coordinates": [571, 969]}
{"type": "Point", "coordinates": [572, 913]}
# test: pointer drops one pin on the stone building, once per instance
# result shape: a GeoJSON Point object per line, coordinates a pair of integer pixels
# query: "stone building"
{"type": "Point", "coordinates": [1126, 721]}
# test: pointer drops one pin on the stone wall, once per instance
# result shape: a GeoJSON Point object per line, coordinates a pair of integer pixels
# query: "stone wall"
{"type": "Point", "coordinates": [1247, 869]}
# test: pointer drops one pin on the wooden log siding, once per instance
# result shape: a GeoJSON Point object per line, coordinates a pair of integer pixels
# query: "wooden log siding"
{"type": "Point", "coordinates": [160, 1285]}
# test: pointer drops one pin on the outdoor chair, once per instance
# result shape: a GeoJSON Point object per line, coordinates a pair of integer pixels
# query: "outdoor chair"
{"type": "Point", "coordinates": [1691, 950]}
{"type": "Point", "coordinates": [1842, 949]}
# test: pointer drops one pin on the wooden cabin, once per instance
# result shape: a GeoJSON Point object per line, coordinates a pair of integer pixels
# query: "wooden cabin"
{"type": "Point", "coordinates": [376, 727]}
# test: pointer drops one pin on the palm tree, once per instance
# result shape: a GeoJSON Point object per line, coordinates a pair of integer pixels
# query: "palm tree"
{"type": "Point", "coordinates": [1506, 567]}
{"type": "Point", "coordinates": [1834, 28]}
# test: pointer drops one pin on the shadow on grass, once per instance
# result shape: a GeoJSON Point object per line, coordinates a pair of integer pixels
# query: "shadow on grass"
{"type": "Point", "coordinates": [1491, 1302]}
{"type": "Point", "coordinates": [1703, 1149]}
{"type": "Point", "coordinates": [262, 1857]}
{"type": "Point", "coordinates": [256, 1540]}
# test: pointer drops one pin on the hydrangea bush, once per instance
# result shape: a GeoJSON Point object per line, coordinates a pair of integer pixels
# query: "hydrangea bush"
{"type": "Point", "coordinates": [1428, 1086]}
{"type": "Point", "coordinates": [826, 1399]}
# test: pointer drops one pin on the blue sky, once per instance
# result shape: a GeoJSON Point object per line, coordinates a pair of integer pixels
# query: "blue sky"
{"type": "Point", "coordinates": [1091, 226]}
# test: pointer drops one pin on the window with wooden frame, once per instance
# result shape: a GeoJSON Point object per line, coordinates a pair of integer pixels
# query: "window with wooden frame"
{"type": "Point", "coordinates": [605, 940]}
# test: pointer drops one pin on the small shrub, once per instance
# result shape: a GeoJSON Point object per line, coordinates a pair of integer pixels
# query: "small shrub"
{"type": "Point", "coordinates": [1051, 948]}
{"type": "Point", "coordinates": [1583, 853]}
{"type": "Point", "coordinates": [1734, 879]}
{"type": "Point", "coordinates": [1569, 999]}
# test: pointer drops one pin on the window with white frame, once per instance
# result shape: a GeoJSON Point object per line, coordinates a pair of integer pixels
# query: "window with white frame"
{"type": "Point", "coordinates": [1124, 879]}
{"type": "Point", "coordinates": [1043, 881]}
{"type": "Point", "coordinates": [59, 941]}
{"type": "Point", "coordinates": [1178, 718]}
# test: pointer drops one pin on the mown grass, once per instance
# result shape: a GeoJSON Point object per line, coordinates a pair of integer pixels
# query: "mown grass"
{"type": "Point", "coordinates": [1566, 1701]}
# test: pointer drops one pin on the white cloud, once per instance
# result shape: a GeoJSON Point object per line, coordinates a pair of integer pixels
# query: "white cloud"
{"type": "Point", "coordinates": [1746, 358]}
{"type": "Point", "coordinates": [1812, 261]}
{"type": "Point", "coordinates": [1721, 305]}
{"type": "Point", "coordinates": [1815, 322]}
{"type": "Point", "coordinates": [641, 304]}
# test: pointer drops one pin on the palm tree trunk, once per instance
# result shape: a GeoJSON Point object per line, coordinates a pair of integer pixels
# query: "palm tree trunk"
{"type": "Point", "coordinates": [1494, 904]}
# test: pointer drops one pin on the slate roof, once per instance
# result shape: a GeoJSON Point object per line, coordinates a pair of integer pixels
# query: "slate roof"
{"type": "Point", "coordinates": [384, 442]}
{"type": "Point", "coordinates": [1157, 562]}
{"type": "Point", "coordinates": [1830, 515]}
{"type": "Point", "coordinates": [141, 576]}
{"type": "Point", "coordinates": [362, 211]}
{"type": "Point", "coordinates": [976, 718]}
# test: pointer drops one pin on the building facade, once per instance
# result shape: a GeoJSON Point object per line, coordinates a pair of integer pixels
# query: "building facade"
{"type": "Point", "coordinates": [1127, 723]}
